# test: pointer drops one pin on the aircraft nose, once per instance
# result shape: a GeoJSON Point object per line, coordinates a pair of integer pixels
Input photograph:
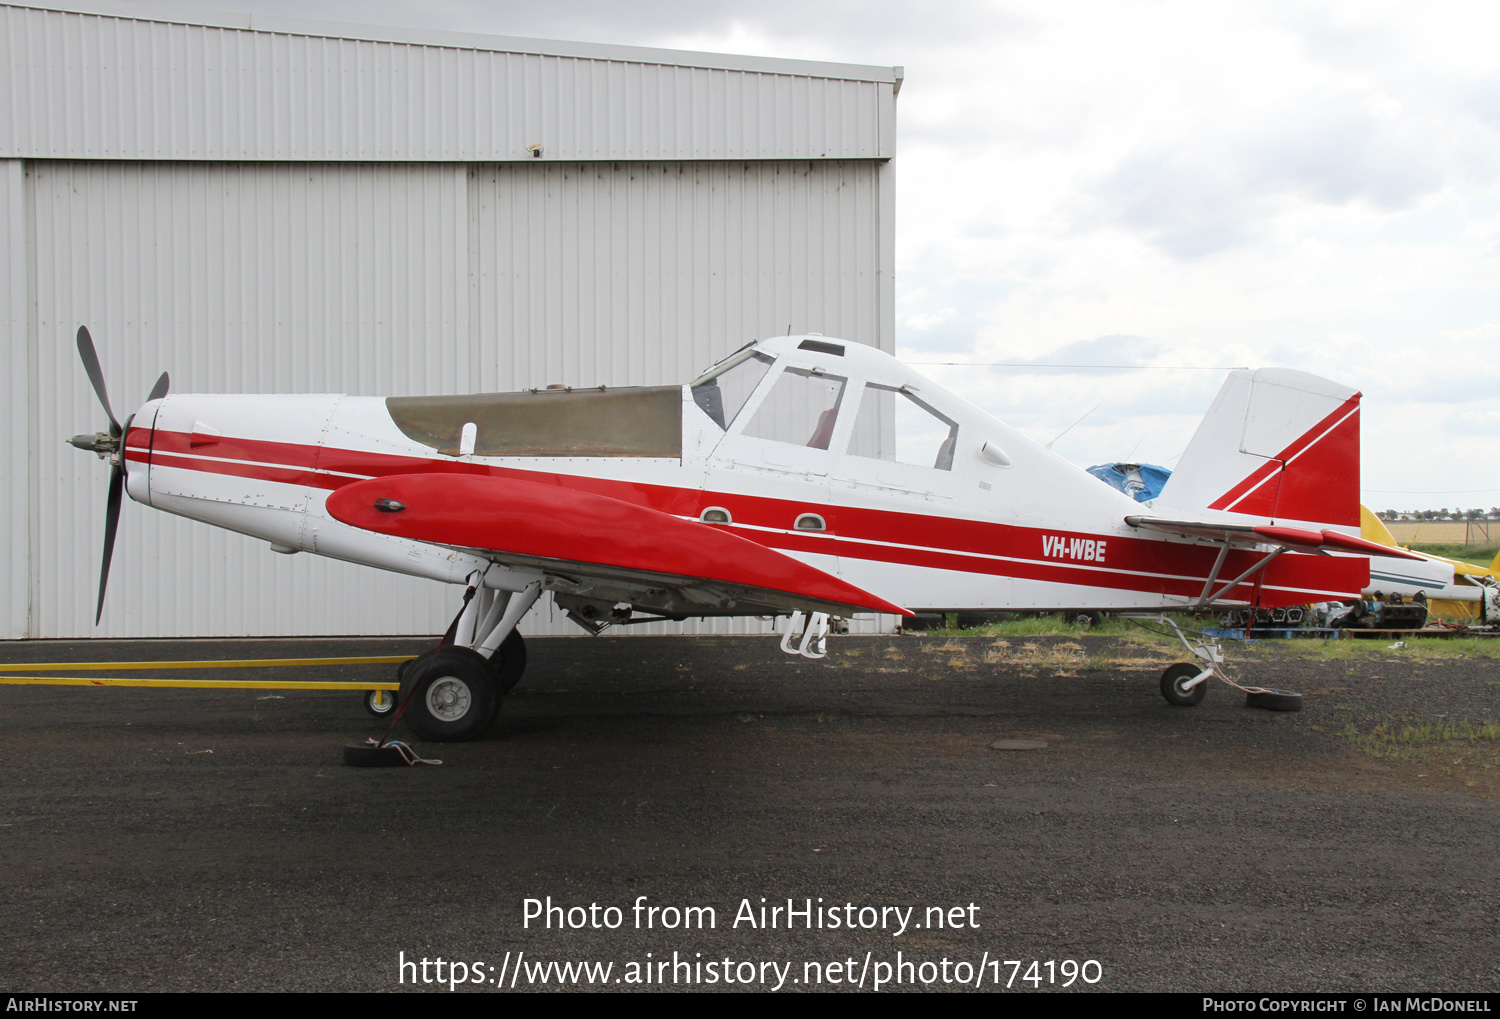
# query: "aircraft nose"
{"type": "Point", "coordinates": [135, 452]}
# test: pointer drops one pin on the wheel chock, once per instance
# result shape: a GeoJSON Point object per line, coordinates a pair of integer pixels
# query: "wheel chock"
{"type": "Point", "coordinates": [1272, 700]}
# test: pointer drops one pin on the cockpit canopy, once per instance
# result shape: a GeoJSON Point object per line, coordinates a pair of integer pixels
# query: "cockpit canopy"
{"type": "Point", "coordinates": [814, 393]}
{"type": "Point", "coordinates": [803, 404]}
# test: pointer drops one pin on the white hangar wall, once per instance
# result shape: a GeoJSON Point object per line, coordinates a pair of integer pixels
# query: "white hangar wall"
{"type": "Point", "coordinates": [646, 273]}
{"type": "Point", "coordinates": [382, 279]}
{"type": "Point", "coordinates": [372, 276]}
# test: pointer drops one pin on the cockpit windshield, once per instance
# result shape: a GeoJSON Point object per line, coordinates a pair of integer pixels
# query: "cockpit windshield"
{"type": "Point", "coordinates": [802, 407]}
{"type": "Point", "coordinates": [722, 392]}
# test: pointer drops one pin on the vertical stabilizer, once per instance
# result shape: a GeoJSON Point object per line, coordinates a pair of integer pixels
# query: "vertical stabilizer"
{"type": "Point", "coordinates": [1277, 444]}
{"type": "Point", "coordinates": [1372, 528]}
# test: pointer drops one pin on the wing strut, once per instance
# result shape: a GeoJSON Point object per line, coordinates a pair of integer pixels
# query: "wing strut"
{"type": "Point", "coordinates": [1208, 584]}
{"type": "Point", "coordinates": [1206, 599]}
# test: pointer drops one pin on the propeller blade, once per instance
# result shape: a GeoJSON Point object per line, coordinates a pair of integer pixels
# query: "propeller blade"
{"type": "Point", "coordinates": [160, 389]}
{"type": "Point", "coordinates": [111, 523]}
{"type": "Point", "coordinates": [96, 375]}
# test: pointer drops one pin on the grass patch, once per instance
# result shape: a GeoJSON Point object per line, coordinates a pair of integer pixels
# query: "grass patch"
{"type": "Point", "coordinates": [1465, 752]}
{"type": "Point", "coordinates": [1062, 659]}
{"type": "Point", "coordinates": [1390, 738]}
{"type": "Point", "coordinates": [1160, 636]}
{"type": "Point", "coordinates": [1416, 649]}
{"type": "Point", "coordinates": [1468, 553]}
{"type": "Point", "coordinates": [1054, 626]}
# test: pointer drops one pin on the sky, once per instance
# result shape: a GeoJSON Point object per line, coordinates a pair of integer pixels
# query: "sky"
{"type": "Point", "coordinates": [1170, 189]}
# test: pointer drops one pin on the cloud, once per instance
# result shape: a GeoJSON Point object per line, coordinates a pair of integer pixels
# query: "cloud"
{"type": "Point", "coordinates": [1118, 349]}
{"type": "Point", "coordinates": [1324, 148]}
{"type": "Point", "coordinates": [1472, 421]}
{"type": "Point", "coordinates": [1189, 211]}
{"type": "Point", "coordinates": [847, 30]}
{"type": "Point", "coordinates": [1338, 149]}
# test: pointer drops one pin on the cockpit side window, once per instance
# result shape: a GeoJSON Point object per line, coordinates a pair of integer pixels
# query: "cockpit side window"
{"type": "Point", "coordinates": [723, 392]}
{"type": "Point", "coordinates": [897, 425]}
{"type": "Point", "coordinates": [802, 408]}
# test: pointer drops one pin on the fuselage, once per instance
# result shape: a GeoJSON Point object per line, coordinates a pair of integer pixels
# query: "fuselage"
{"type": "Point", "coordinates": [834, 453]}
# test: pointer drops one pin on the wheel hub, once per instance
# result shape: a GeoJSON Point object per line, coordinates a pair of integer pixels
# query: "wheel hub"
{"type": "Point", "coordinates": [448, 698]}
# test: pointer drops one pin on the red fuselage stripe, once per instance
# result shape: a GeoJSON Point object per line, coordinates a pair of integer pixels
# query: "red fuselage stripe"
{"type": "Point", "coordinates": [1128, 563]}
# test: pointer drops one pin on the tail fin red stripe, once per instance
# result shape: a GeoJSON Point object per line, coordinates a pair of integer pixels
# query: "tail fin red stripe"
{"type": "Point", "coordinates": [1325, 484]}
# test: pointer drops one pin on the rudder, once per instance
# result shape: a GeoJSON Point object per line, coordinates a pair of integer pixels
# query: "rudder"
{"type": "Point", "coordinates": [1277, 444]}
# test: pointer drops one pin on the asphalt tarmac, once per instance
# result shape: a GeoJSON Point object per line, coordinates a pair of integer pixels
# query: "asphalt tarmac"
{"type": "Point", "coordinates": [212, 840]}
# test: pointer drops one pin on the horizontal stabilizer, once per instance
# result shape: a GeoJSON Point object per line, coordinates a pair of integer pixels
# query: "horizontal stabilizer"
{"type": "Point", "coordinates": [531, 523]}
{"type": "Point", "coordinates": [1296, 539]}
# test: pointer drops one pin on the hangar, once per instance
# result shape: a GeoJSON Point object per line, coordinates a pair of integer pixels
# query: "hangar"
{"type": "Point", "coordinates": [270, 205]}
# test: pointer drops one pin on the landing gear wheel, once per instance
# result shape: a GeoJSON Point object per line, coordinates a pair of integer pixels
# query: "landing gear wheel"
{"type": "Point", "coordinates": [1083, 620]}
{"type": "Point", "coordinates": [509, 661]}
{"type": "Point", "coordinates": [451, 697]}
{"type": "Point", "coordinates": [1172, 688]}
{"type": "Point", "coordinates": [405, 667]}
{"type": "Point", "coordinates": [1273, 700]}
{"type": "Point", "coordinates": [380, 703]}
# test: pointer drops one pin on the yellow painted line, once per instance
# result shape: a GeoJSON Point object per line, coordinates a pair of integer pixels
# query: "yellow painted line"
{"type": "Point", "coordinates": [195, 684]}
{"type": "Point", "coordinates": [251, 663]}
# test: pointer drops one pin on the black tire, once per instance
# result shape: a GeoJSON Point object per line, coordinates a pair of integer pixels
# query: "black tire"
{"type": "Point", "coordinates": [1083, 620]}
{"type": "Point", "coordinates": [451, 697]}
{"type": "Point", "coordinates": [387, 706]}
{"type": "Point", "coordinates": [366, 755]}
{"type": "Point", "coordinates": [509, 661]}
{"type": "Point", "coordinates": [1172, 680]}
{"type": "Point", "coordinates": [1274, 700]}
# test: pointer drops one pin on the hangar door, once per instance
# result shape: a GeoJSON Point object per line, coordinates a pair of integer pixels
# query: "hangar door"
{"type": "Point", "coordinates": [378, 279]}
{"type": "Point", "coordinates": [234, 278]}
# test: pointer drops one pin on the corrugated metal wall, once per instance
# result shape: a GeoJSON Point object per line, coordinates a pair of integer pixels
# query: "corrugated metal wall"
{"type": "Point", "coordinates": [634, 274]}
{"type": "Point", "coordinates": [377, 279]}
{"type": "Point", "coordinates": [151, 89]}
{"type": "Point", "coordinates": [245, 278]}
{"type": "Point", "coordinates": [15, 425]}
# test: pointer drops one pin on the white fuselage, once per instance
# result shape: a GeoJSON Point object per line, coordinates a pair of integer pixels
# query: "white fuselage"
{"type": "Point", "coordinates": [1005, 524]}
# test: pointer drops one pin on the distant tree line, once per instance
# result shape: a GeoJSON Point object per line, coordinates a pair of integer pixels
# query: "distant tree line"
{"type": "Point", "coordinates": [1493, 513]}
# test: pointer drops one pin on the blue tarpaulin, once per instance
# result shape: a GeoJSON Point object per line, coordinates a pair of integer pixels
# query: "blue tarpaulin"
{"type": "Point", "coordinates": [1139, 481]}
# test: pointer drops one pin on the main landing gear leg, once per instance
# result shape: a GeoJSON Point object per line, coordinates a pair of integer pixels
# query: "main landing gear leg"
{"type": "Point", "coordinates": [453, 693]}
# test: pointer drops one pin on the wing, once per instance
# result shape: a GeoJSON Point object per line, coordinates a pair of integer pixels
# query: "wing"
{"type": "Point", "coordinates": [588, 543]}
{"type": "Point", "coordinates": [1296, 539]}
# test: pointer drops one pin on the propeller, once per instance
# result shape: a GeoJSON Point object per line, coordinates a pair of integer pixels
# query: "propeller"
{"type": "Point", "coordinates": [108, 445]}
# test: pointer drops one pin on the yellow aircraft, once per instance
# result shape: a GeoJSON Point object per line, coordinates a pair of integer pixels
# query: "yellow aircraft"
{"type": "Point", "coordinates": [1474, 595]}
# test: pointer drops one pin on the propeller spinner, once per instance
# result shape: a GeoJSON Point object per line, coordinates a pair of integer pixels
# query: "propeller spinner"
{"type": "Point", "coordinates": [108, 445]}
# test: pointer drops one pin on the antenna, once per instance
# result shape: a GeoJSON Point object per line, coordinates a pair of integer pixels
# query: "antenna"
{"type": "Point", "coordinates": [1075, 424]}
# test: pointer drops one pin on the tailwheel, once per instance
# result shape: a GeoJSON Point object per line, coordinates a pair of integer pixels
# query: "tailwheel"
{"type": "Point", "coordinates": [451, 696]}
{"type": "Point", "coordinates": [1174, 684]}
